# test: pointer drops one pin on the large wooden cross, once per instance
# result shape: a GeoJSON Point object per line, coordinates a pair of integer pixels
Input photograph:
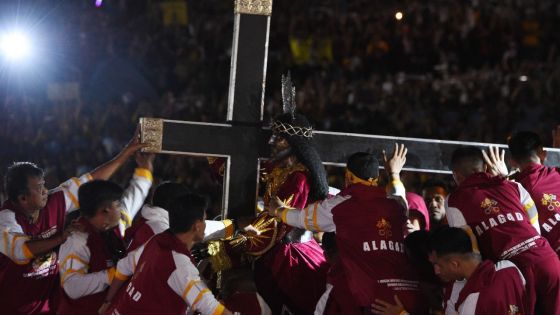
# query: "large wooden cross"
{"type": "Point", "coordinates": [243, 139]}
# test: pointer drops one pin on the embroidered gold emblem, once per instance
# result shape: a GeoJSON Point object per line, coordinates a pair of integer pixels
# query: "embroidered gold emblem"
{"type": "Point", "coordinates": [550, 201]}
{"type": "Point", "coordinates": [384, 228]}
{"type": "Point", "coordinates": [490, 206]}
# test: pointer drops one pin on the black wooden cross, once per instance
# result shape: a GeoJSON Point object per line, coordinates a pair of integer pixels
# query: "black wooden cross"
{"type": "Point", "coordinates": [243, 139]}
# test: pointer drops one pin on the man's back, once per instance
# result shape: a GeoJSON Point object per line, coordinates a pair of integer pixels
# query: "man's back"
{"type": "Point", "coordinates": [493, 289]}
{"type": "Point", "coordinates": [166, 281]}
{"type": "Point", "coordinates": [369, 231]}
{"type": "Point", "coordinates": [495, 210]}
{"type": "Point", "coordinates": [492, 208]}
{"type": "Point", "coordinates": [543, 184]}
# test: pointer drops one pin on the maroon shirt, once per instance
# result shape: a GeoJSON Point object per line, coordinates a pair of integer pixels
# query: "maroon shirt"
{"type": "Point", "coordinates": [492, 208]}
{"type": "Point", "coordinates": [369, 229]}
{"type": "Point", "coordinates": [493, 289]}
{"type": "Point", "coordinates": [149, 290]}
{"type": "Point", "coordinates": [26, 289]}
{"type": "Point", "coordinates": [101, 248]}
{"type": "Point", "coordinates": [543, 184]}
{"type": "Point", "coordinates": [138, 234]}
{"type": "Point", "coordinates": [340, 299]}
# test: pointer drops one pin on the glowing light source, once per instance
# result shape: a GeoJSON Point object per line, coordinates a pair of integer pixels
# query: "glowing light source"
{"type": "Point", "coordinates": [523, 78]}
{"type": "Point", "coordinates": [15, 46]}
{"type": "Point", "coordinates": [98, 3]}
{"type": "Point", "coordinates": [398, 15]}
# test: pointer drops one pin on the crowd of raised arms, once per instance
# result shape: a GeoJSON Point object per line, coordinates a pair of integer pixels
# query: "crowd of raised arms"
{"type": "Point", "coordinates": [489, 246]}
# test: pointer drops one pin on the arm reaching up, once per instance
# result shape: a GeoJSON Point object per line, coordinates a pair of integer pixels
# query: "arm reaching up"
{"type": "Point", "coordinates": [106, 170]}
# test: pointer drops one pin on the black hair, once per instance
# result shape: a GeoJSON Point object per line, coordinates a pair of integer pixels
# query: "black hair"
{"type": "Point", "coordinates": [364, 165]}
{"type": "Point", "coordinates": [304, 149]}
{"type": "Point", "coordinates": [434, 182]}
{"type": "Point", "coordinates": [184, 211]}
{"type": "Point", "coordinates": [166, 192]}
{"type": "Point", "coordinates": [16, 178]}
{"type": "Point", "coordinates": [96, 194]}
{"type": "Point", "coordinates": [450, 240]}
{"type": "Point", "coordinates": [467, 160]}
{"type": "Point", "coordinates": [418, 243]}
{"type": "Point", "coordinates": [523, 145]}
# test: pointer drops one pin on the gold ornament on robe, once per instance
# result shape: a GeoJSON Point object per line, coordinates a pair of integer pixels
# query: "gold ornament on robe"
{"type": "Point", "coordinates": [265, 230]}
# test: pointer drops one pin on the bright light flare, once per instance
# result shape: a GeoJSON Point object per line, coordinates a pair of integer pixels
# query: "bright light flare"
{"type": "Point", "coordinates": [398, 16]}
{"type": "Point", "coordinates": [15, 46]}
{"type": "Point", "coordinates": [98, 3]}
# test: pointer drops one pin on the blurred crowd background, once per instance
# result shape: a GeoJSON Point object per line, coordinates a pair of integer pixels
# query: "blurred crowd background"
{"type": "Point", "coordinates": [456, 70]}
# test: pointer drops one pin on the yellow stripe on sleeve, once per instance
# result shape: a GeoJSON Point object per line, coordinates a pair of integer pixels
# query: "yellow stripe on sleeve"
{"type": "Point", "coordinates": [76, 181]}
{"type": "Point", "coordinates": [13, 250]}
{"type": "Point", "coordinates": [69, 272]}
{"type": "Point", "coordinates": [126, 218]}
{"type": "Point", "coordinates": [285, 215]}
{"type": "Point", "coordinates": [6, 244]}
{"type": "Point", "coordinates": [110, 274]}
{"type": "Point", "coordinates": [27, 252]}
{"type": "Point", "coordinates": [315, 225]}
{"type": "Point", "coordinates": [188, 288]}
{"type": "Point", "coordinates": [143, 172]}
{"type": "Point", "coordinates": [199, 297]}
{"type": "Point", "coordinates": [75, 257]}
{"type": "Point", "coordinates": [219, 310]}
{"type": "Point", "coordinates": [528, 205]}
{"type": "Point", "coordinates": [534, 219]}
{"type": "Point", "coordinates": [120, 276]}
{"type": "Point", "coordinates": [73, 198]}
{"type": "Point", "coordinates": [305, 220]}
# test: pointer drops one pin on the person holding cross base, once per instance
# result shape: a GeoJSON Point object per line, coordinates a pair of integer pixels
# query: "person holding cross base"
{"type": "Point", "coordinates": [368, 221]}
{"type": "Point", "coordinates": [31, 224]}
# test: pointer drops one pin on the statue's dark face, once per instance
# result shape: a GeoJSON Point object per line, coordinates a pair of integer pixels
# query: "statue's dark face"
{"type": "Point", "coordinates": [280, 148]}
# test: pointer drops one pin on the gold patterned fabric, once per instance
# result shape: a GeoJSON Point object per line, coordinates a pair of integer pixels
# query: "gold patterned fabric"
{"type": "Point", "coordinates": [265, 230]}
{"type": "Point", "coordinates": [256, 7]}
{"type": "Point", "coordinates": [151, 133]}
{"type": "Point", "coordinates": [275, 179]}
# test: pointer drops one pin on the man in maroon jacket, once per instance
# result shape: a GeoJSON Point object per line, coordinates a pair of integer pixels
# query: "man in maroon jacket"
{"type": "Point", "coordinates": [542, 183]}
{"type": "Point", "coordinates": [32, 221]}
{"type": "Point", "coordinates": [369, 222]}
{"type": "Point", "coordinates": [165, 279]}
{"type": "Point", "coordinates": [88, 257]}
{"type": "Point", "coordinates": [490, 288]}
{"type": "Point", "coordinates": [503, 217]}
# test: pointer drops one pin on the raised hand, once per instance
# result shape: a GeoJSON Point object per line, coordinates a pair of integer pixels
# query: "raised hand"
{"type": "Point", "coordinates": [394, 165]}
{"type": "Point", "coordinates": [145, 160]}
{"type": "Point", "coordinates": [134, 144]}
{"type": "Point", "coordinates": [494, 158]}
